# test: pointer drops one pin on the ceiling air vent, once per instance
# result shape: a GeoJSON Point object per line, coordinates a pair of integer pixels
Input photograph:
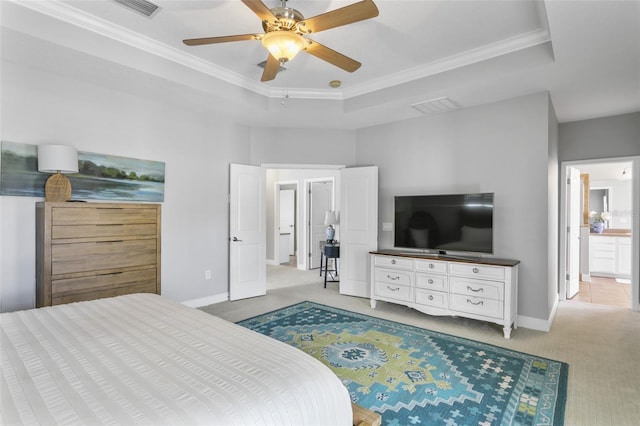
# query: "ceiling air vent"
{"type": "Point", "coordinates": [142, 6]}
{"type": "Point", "coordinates": [435, 106]}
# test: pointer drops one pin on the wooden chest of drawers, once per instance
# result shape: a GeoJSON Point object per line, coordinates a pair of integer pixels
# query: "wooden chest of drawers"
{"type": "Point", "coordinates": [88, 251]}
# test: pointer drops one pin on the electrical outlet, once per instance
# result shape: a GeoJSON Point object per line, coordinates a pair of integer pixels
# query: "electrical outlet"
{"type": "Point", "coordinates": [207, 274]}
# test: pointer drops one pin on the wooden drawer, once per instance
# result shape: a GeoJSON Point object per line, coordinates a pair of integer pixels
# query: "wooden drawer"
{"type": "Point", "coordinates": [97, 231]}
{"type": "Point", "coordinates": [495, 273]}
{"type": "Point", "coordinates": [394, 276]}
{"type": "Point", "coordinates": [477, 288]}
{"type": "Point", "coordinates": [431, 266]}
{"type": "Point", "coordinates": [102, 255]}
{"type": "Point", "coordinates": [393, 262]}
{"type": "Point", "coordinates": [436, 299]}
{"type": "Point", "coordinates": [431, 281]}
{"type": "Point", "coordinates": [104, 285]}
{"type": "Point", "coordinates": [394, 291]}
{"type": "Point", "coordinates": [103, 215]}
{"type": "Point", "coordinates": [477, 305]}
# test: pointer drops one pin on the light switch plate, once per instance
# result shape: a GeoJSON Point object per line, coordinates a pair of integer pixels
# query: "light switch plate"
{"type": "Point", "coordinates": [387, 226]}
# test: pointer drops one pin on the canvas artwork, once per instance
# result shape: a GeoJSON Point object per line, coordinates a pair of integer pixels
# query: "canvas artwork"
{"type": "Point", "coordinates": [100, 177]}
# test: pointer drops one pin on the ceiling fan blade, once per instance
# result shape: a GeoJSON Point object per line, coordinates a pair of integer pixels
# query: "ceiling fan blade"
{"type": "Point", "coordinates": [260, 9]}
{"type": "Point", "coordinates": [222, 39]}
{"type": "Point", "coordinates": [360, 11]}
{"type": "Point", "coordinates": [271, 68]}
{"type": "Point", "coordinates": [338, 59]}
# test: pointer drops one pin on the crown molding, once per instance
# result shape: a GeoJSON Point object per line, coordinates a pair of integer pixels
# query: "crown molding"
{"type": "Point", "coordinates": [469, 57]}
{"type": "Point", "coordinates": [71, 15]}
{"type": "Point", "coordinates": [78, 18]}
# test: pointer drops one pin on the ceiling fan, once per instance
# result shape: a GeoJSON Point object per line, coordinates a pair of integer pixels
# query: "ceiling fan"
{"type": "Point", "coordinates": [285, 30]}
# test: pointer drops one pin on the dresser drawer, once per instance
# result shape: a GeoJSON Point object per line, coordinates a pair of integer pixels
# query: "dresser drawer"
{"type": "Point", "coordinates": [431, 281]}
{"type": "Point", "coordinates": [103, 215]}
{"type": "Point", "coordinates": [431, 266]}
{"type": "Point", "coordinates": [393, 262]}
{"type": "Point", "coordinates": [477, 271]}
{"type": "Point", "coordinates": [98, 231]}
{"type": "Point", "coordinates": [102, 255]}
{"type": "Point", "coordinates": [436, 299]}
{"type": "Point", "coordinates": [477, 305]}
{"type": "Point", "coordinates": [394, 291]}
{"type": "Point", "coordinates": [104, 285]}
{"type": "Point", "coordinates": [477, 288]}
{"type": "Point", "coordinates": [392, 276]}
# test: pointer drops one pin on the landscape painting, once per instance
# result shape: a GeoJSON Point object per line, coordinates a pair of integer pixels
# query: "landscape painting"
{"type": "Point", "coordinates": [99, 177]}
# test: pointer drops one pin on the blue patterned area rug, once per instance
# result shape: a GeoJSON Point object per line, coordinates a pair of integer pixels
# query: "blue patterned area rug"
{"type": "Point", "coordinates": [413, 376]}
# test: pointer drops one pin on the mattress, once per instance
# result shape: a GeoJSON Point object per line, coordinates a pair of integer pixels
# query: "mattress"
{"type": "Point", "coordinates": [142, 359]}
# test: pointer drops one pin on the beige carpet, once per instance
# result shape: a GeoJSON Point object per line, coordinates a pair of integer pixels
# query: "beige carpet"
{"type": "Point", "coordinates": [601, 344]}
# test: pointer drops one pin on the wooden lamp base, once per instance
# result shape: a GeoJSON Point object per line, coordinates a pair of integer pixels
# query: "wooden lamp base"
{"type": "Point", "coordinates": [57, 188]}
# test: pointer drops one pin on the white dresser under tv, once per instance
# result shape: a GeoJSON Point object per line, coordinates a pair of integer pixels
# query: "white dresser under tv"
{"type": "Point", "coordinates": [479, 288]}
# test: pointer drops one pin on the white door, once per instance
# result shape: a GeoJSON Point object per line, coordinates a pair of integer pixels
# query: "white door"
{"type": "Point", "coordinates": [320, 200]}
{"type": "Point", "coordinates": [288, 217]}
{"type": "Point", "coordinates": [574, 218]}
{"type": "Point", "coordinates": [247, 232]}
{"type": "Point", "coordinates": [358, 221]}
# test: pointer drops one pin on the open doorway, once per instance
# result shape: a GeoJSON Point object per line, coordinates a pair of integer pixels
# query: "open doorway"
{"type": "Point", "coordinates": [597, 263]}
{"type": "Point", "coordinates": [287, 194]}
{"type": "Point", "coordinates": [279, 179]}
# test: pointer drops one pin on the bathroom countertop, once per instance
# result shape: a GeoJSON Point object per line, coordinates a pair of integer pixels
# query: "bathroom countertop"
{"type": "Point", "coordinates": [613, 233]}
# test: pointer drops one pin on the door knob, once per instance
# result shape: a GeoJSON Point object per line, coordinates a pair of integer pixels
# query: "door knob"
{"type": "Point", "coordinates": [236, 239]}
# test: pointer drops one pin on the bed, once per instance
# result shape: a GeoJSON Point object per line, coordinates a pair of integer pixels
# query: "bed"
{"type": "Point", "coordinates": [142, 359]}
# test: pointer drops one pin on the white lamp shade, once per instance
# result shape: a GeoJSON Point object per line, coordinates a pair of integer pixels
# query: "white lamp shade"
{"type": "Point", "coordinates": [330, 218]}
{"type": "Point", "coordinates": [283, 45]}
{"type": "Point", "coordinates": [57, 158]}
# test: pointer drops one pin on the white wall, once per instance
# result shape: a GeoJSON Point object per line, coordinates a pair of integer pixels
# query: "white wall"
{"type": "Point", "coordinates": [39, 106]}
{"type": "Point", "coordinates": [502, 148]}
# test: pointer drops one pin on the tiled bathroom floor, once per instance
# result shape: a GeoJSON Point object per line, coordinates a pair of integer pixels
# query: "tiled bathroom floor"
{"type": "Point", "coordinates": [604, 291]}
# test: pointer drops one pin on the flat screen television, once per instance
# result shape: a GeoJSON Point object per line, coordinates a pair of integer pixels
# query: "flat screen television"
{"type": "Point", "coordinates": [444, 223]}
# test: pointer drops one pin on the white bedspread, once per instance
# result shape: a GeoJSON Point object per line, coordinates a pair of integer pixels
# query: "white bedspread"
{"type": "Point", "coordinates": [142, 359]}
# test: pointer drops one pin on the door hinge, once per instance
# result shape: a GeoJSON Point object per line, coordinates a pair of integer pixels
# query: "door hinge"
{"type": "Point", "coordinates": [568, 181]}
{"type": "Point", "coordinates": [568, 277]}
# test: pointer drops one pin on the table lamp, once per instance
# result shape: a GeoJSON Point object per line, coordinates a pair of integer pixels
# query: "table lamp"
{"type": "Point", "coordinates": [57, 159]}
{"type": "Point", "coordinates": [330, 220]}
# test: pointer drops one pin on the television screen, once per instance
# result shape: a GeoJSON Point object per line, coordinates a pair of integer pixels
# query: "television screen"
{"type": "Point", "coordinates": [443, 223]}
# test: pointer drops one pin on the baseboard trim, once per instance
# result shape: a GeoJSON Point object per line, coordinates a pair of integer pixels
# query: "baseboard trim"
{"type": "Point", "coordinates": [537, 323]}
{"type": "Point", "coordinates": [209, 300]}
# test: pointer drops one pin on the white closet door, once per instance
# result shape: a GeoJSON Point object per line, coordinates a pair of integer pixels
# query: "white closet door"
{"type": "Point", "coordinates": [247, 232]}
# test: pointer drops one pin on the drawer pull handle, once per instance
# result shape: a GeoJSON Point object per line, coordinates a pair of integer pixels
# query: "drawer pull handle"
{"type": "Point", "coordinates": [393, 289]}
{"type": "Point", "coordinates": [108, 242]}
{"type": "Point", "coordinates": [431, 266]}
{"type": "Point", "coordinates": [476, 290]}
{"type": "Point", "coordinates": [112, 273]}
{"type": "Point", "coordinates": [394, 278]}
{"type": "Point", "coordinates": [430, 297]}
{"type": "Point", "coordinates": [393, 261]}
{"type": "Point", "coordinates": [430, 281]}
{"type": "Point", "coordinates": [475, 270]}
{"type": "Point", "coordinates": [479, 302]}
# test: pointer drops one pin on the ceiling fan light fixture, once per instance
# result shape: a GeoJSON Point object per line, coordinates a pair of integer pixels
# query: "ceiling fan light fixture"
{"type": "Point", "coordinates": [283, 45]}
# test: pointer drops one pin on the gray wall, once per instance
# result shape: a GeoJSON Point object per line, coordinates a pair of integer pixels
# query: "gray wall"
{"type": "Point", "coordinates": [41, 107]}
{"type": "Point", "coordinates": [503, 148]}
{"type": "Point", "coordinates": [606, 137]}
{"type": "Point", "coordinates": [197, 146]}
